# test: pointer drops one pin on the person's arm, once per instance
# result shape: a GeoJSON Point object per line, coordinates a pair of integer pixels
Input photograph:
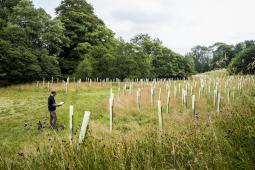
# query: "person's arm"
{"type": "Point", "coordinates": [53, 103]}
{"type": "Point", "coordinates": [56, 105]}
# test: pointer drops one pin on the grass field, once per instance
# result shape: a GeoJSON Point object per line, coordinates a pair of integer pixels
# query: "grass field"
{"type": "Point", "coordinates": [209, 140]}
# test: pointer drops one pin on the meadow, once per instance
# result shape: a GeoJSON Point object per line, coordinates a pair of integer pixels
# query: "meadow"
{"type": "Point", "coordinates": [218, 134]}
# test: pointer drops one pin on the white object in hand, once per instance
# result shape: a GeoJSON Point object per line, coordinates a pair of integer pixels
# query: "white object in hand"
{"type": "Point", "coordinates": [61, 103]}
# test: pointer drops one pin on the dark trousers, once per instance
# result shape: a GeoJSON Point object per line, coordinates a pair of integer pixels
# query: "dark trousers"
{"type": "Point", "coordinates": [53, 119]}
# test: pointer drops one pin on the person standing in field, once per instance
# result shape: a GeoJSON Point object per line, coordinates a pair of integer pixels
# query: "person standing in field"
{"type": "Point", "coordinates": [52, 108]}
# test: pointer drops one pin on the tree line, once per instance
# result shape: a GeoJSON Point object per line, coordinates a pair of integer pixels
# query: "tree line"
{"type": "Point", "coordinates": [237, 59]}
{"type": "Point", "coordinates": [34, 46]}
{"type": "Point", "coordinates": [76, 43]}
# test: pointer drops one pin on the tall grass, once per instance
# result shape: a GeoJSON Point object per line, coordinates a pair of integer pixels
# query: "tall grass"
{"type": "Point", "coordinates": [224, 140]}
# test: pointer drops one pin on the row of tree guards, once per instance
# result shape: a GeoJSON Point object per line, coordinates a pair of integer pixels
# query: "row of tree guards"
{"type": "Point", "coordinates": [84, 126]}
{"type": "Point", "coordinates": [185, 90]}
{"type": "Point", "coordinates": [159, 105]}
{"type": "Point", "coordinates": [129, 85]}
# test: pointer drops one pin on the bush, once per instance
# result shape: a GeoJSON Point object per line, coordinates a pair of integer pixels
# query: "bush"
{"type": "Point", "coordinates": [244, 62]}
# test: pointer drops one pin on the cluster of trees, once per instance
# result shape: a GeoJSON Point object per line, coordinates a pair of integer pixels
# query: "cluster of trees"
{"type": "Point", "coordinates": [237, 59]}
{"type": "Point", "coordinates": [77, 43]}
{"type": "Point", "coordinates": [29, 42]}
{"type": "Point", "coordinates": [142, 57]}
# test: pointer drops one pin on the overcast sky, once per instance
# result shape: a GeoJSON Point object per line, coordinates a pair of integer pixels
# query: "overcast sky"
{"type": "Point", "coordinates": [180, 24]}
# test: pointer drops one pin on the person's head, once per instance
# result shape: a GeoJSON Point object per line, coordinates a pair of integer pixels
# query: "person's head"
{"type": "Point", "coordinates": [53, 92]}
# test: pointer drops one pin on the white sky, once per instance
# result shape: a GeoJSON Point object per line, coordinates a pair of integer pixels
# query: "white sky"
{"type": "Point", "coordinates": [180, 24]}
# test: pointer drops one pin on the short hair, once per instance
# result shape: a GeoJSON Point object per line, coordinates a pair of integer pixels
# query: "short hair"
{"type": "Point", "coordinates": [53, 92]}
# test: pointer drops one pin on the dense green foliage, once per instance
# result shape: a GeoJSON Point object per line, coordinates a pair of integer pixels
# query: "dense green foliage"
{"type": "Point", "coordinates": [33, 46]}
{"type": "Point", "coordinates": [6, 8]}
{"type": "Point", "coordinates": [238, 58]}
{"type": "Point", "coordinates": [244, 62]}
{"type": "Point", "coordinates": [164, 62]}
{"type": "Point", "coordinates": [76, 43]}
{"type": "Point", "coordinates": [143, 57]}
{"type": "Point", "coordinates": [85, 31]}
{"type": "Point", "coordinates": [202, 58]}
{"type": "Point", "coordinates": [30, 42]}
